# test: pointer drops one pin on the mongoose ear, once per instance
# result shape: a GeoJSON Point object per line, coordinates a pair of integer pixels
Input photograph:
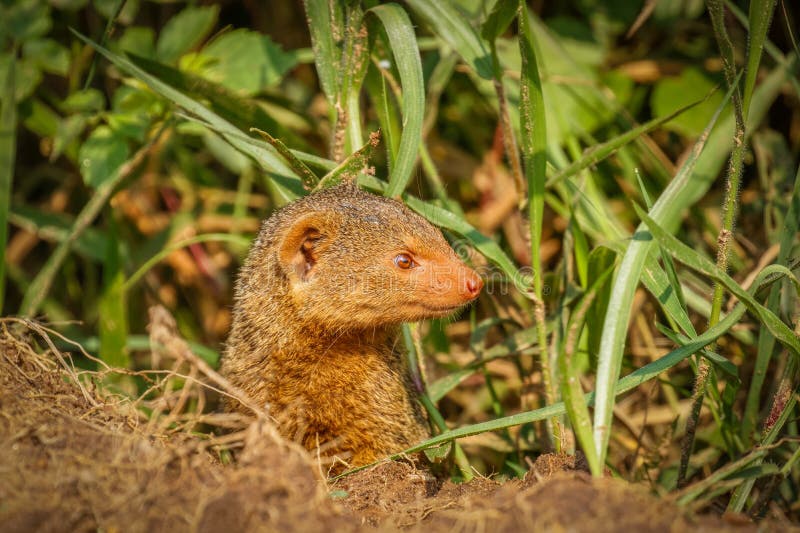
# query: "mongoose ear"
{"type": "Point", "coordinates": [304, 242]}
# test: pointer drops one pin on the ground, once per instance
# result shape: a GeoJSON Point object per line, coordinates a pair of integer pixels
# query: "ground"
{"type": "Point", "coordinates": [78, 459]}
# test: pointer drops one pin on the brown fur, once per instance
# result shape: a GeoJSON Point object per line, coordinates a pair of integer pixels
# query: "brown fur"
{"type": "Point", "coordinates": [318, 303]}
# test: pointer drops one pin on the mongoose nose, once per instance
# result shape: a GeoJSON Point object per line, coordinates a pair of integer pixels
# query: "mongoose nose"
{"type": "Point", "coordinates": [474, 284]}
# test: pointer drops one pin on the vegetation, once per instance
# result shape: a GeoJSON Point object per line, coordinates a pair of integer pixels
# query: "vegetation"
{"type": "Point", "coordinates": [624, 174]}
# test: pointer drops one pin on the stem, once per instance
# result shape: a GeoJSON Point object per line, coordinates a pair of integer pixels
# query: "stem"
{"type": "Point", "coordinates": [716, 11]}
{"type": "Point", "coordinates": [510, 142]}
{"type": "Point", "coordinates": [533, 136]}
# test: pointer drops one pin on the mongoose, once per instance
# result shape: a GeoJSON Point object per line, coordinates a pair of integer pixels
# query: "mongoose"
{"type": "Point", "coordinates": [318, 304]}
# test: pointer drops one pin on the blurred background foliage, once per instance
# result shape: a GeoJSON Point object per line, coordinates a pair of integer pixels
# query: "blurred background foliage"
{"type": "Point", "coordinates": [102, 175]}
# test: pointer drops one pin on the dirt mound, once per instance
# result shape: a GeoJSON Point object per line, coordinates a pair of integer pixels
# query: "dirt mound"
{"type": "Point", "coordinates": [76, 461]}
{"type": "Point", "coordinates": [555, 495]}
{"type": "Point", "coordinates": [76, 458]}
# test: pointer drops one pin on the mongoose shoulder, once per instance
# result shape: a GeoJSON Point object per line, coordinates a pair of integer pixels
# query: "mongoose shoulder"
{"type": "Point", "coordinates": [317, 307]}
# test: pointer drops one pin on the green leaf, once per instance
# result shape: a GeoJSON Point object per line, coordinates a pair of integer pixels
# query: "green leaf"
{"type": "Point", "coordinates": [352, 166]}
{"type": "Point", "coordinates": [101, 155]}
{"type": "Point", "coordinates": [68, 131]}
{"type": "Point", "coordinates": [139, 40]}
{"type": "Point", "coordinates": [27, 76]}
{"type": "Point", "coordinates": [450, 25]}
{"type": "Point", "coordinates": [8, 151]}
{"type": "Point", "coordinates": [112, 307]}
{"type": "Point", "coordinates": [48, 55]}
{"type": "Point", "coordinates": [36, 116]}
{"type": "Point", "coordinates": [246, 61]}
{"type": "Point", "coordinates": [87, 100]}
{"type": "Point", "coordinates": [24, 20]}
{"type": "Point", "coordinates": [673, 94]}
{"type": "Point", "coordinates": [499, 20]}
{"type": "Point", "coordinates": [403, 44]}
{"type": "Point", "coordinates": [185, 31]}
{"type": "Point", "coordinates": [437, 454]}
{"type": "Point", "coordinates": [230, 157]}
{"type": "Point", "coordinates": [129, 125]}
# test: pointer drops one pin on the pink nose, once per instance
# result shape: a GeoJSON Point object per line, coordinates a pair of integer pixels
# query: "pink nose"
{"type": "Point", "coordinates": [473, 284]}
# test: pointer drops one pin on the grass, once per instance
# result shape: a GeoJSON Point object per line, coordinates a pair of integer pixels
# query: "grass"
{"type": "Point", "coordinates": [532, 150]}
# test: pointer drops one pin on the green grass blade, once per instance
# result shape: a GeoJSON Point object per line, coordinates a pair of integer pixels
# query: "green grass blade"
{"type": "Point", "coordinates": [674, 283]}
{"type": "Point", "coordinates": [760, 17]}
{"type": "Point", "coordinates": [773, 51]}
{"type": "Point", "coordinates": [375, 83]}
{"type": "Point", "coordinates": [766, 341]}
{"type": "Point", "coordinates": [662, 287]}
{"type": "Point", "coordinates": [8, 151]}
{"type": "Point", "coordinates": [449, 24]}
{"type": "Point", "coordinates": [598, 152]}
{"type": "Point", "coordinates": [600, 259]}
{"type": "Point", "coordinates": [692, 492]}
{"type": "Point", "coordinates": [354, 68]}
{"type": "Point", "coordinates": [403, 44]}
{"type": "Point", "coordinates": [697, 262]}
{"type": "Point", "coordinates": [679, 339]}
{"type": "Point", "coordinates": [308, 178]}
{"type": "Point", "coordinates": [142, 343]}
{"type": "Point", "coordinates": [667, 208]}
{"type": "Point", "coordinates": [533, 140]}
{"type": "Point", "coordinates": [571, 389]}
{"type": "Point", "coordinates": [533, 143]}
{"type": "Point", "coordinates": [325, 18]}
{"type": "Point", "coordinates": [112, 307]}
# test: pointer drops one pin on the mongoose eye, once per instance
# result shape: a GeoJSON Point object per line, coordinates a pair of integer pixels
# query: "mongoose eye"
{"type": "Point", "coordinates": [404, 261]}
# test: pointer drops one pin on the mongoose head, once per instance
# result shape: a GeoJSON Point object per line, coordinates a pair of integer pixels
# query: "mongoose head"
{"type": "Point", "coordinates": [354, 260]}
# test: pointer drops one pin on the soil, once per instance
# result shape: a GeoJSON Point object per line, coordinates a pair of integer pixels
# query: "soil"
{"type": "Point", "coordinates": [76, 458]}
